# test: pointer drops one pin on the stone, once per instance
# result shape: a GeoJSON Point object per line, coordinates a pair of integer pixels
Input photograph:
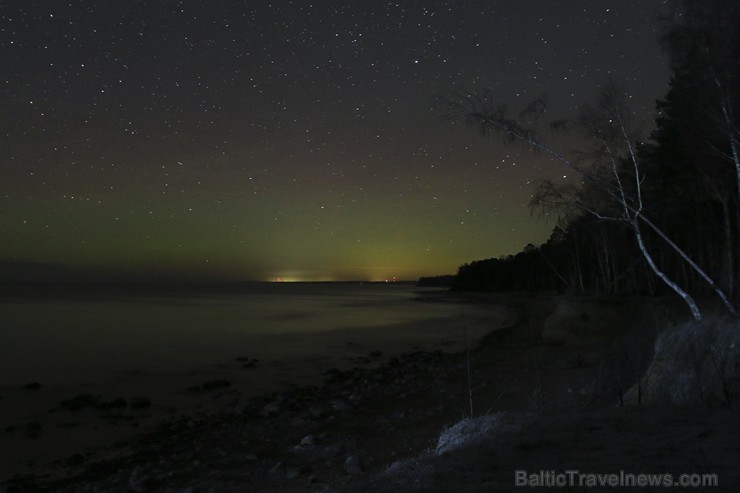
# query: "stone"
{"type": "Point", "coordinates": [140, 481]}
{"type": "Point", "coordinates": [696, 363]}
{"type": "Point", "coordinates": [271, 409]}
{"type": "Point", "coordinates": [277, 469]}
{"type": "Point", "coordinates": [353, 465]}
{"type": "Point", "coordinates": [317, 414]}
{"type": "Point", "coordinates": [308, 441]}
{"type": "Point", "coordinates": [340, 405]}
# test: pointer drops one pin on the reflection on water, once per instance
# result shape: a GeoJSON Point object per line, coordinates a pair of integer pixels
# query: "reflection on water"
{"type": "Point", "coordinates": [126, 346]}
{"type": "Point", "coordinates": [75, 339]}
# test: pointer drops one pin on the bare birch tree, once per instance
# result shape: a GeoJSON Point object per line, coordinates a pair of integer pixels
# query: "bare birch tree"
{"type": "Point", "coordinates": [614, 165]}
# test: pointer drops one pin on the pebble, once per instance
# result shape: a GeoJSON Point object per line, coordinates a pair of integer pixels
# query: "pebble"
{"type": "Point", "coordinates": [271, 409]}
{"type": "Point", "coordinates": [308, 441]}
{"type": "Point", "coordinates": [353, 465]}
{"type": "Point", "coordinates": [278, 468]}
{"type": "Point", "coordinates": [308, 409]}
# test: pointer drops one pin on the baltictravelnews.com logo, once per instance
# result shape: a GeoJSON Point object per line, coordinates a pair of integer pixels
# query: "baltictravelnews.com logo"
{"type": "Point", "coordinates": [572, 478]}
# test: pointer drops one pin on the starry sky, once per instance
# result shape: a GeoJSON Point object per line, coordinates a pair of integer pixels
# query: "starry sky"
{"type": "Point", "coordinates": [257, 140]}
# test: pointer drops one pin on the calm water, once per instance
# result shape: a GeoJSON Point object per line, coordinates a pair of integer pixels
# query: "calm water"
{"type": "Point", "coordinates": [88, 340]}
{"type": "Point", "coordinates": [162, 346]}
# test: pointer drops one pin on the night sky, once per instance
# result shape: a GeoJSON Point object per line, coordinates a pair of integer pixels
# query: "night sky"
{"type": "Point", "coordinates": [228, 139]}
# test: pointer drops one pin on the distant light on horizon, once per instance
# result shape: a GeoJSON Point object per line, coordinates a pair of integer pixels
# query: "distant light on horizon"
{"type": "Point", "coordinates": [289, 277]}
{"type": "Point", "coordinates": [300, 276]}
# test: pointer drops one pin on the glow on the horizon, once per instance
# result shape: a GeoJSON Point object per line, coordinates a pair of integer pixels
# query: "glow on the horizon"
{"type": "Point", "coordinates": [298, 170]}
{"type": "Point", "coordinates": [301, 277]}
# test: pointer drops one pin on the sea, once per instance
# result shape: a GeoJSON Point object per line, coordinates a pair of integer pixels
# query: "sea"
{"type": "Point", "coordinates": [88, 338]}
{"type": "Point", "coordinates": [168, 345]}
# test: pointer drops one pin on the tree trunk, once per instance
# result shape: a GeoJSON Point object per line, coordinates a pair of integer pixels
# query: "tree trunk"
{"type": "Point", "coordinates": [686, 297]}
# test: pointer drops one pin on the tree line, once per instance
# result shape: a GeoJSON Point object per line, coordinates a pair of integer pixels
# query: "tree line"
{"type": "Point", "coordinates": [650, 215]}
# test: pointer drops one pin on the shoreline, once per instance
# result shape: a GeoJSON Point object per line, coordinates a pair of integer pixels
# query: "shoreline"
{"type": "Point", "coordinates": [341, 434]}
{"type": "Point", "coordinates": [67, 422]}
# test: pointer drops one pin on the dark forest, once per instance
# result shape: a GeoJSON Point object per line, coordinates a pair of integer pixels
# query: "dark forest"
{"type": "Point", "coordinates": [652, 215]}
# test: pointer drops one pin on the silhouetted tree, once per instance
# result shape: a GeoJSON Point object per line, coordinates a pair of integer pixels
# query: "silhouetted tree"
{"type": "Point", "coordinates": [614, 170]}
{"type": "Point", "coordinates": [698, 130]}
{"type": "Point", "coordinates": [668, 209]}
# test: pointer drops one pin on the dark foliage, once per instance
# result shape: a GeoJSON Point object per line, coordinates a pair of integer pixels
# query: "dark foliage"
{"type": "Point", "coordinates": [690, 180]}
{"type": "Point", "coordinates": [436, 281]}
